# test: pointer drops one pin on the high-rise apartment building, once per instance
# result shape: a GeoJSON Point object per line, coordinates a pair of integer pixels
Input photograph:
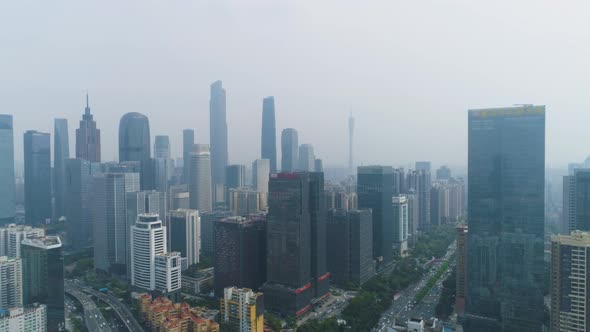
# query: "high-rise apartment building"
{"type": "Point", "coordinates": [243, 309]}
{"type": "Point", "coordinates": [43, 278]}
{"type": "Point", "coordinates": [350, 246]}
{"type": "Point", "coordinates": [289, 150]}
{"type": "Point", "coordinates": [260, 174]}
{"type": "Point", "coordinates": [200, 178]}
{"type": "Point", "coordinates": [185, 234]}
{"type": "Point", "coordinates": [269, 133]}
{"type": "Point", "coordinates": [568, 215]}
{"type": "Point", "coordinates": [296, 248]}
{"type": "Point", "coordinates": [188, 140]}
{"type": "Point", "coordinates": [375, 192]}
{"type": "Point", "coordinates": [240, 253]}
{"type": "Point", "coordinates": [61, 152]}
{"type": "Point", "coordinates": [306, 158]}
{"type": "Point", "coordinates": [218, 139]}
{"type": "Point", "coordinates": [506, 159]}
{"type": "Point", "coordinates": [78, 195]}
{"type": "Point", "coordinates": [12, 235]}
{"type": "Point", "coordinates": [19, 319]}
{"type": "Point", "coordinates": [88, 137]}
{"type": "Point", "coordinates": [11, 287]}
{"type": "Point", "coordinates": [134, 145]}
{"type": "Point", "coordinates": [7, 179]}
{"type": "Point", "coordinates": [570, 290]}
{"type": "Point", "coordinates": [400, 225]}
{"type": "Point", "coordinates": [461, 290]}
{"type": "Point", "coordinates": [37, 149]}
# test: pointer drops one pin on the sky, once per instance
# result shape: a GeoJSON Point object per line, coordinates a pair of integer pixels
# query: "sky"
{"type": "Point", "coordinates": [407, 70]}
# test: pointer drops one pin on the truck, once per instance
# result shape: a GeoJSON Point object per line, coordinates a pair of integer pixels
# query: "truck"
{"type": "Point", "coordinates": [103, 290]}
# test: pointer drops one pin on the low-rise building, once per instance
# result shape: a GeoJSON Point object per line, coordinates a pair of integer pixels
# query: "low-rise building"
{"type": "Point", "coordinates": [243, 309]}
{"type": "Point", "coordinates": [162, 315]}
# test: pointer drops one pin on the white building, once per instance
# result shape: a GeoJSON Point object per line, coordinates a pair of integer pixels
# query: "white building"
{"type": "Point", "coordinates": [260, 175]}
{"type": "Point", "coordinates": [11, 288]}
{"type": "Point", "coordinates": [12, 235]}
{"type": "Point", "coordinates": [21, 319]}
{"type": "Point", "coordinates": [400, 224]}
{"type": "Point", "coordinates": [185, 234]}
{"type": "Point", "coordinates": [200, 178]}
{"type": "Point", "coordinates": [168, 272]}
{"type": "Point", "coordinates": [148, 239]}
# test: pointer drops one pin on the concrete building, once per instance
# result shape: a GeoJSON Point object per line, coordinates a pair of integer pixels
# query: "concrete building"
{"type": "Point", "coordinates": [12, 235]}
{"type": "Point", "coordinates": [218, 141]}
{"type": "Point", "coordinates": [185, 234]}
{"type": "Point", "coordinates": [243, 309]}
{"type": "Point", "coordinates": [268, 148]}
{"type": "Point", "coordinates": [260, 175]}
{"type": "Point", "coordinates": [167, 274]}
{"type": "Point", "coordinates": [461, 291]}
{"type": "Point", "coordinates": [289, 150]}
{"type": "Point", "coordinates": [200, 178]}
{"type": "Point", "coordinates": [88, 137]}
{"type": "Point", "coordinates": [243, 201]}
{"type": "Point", "coordinates": [202, 283]}
{"type": "Point", "coordinates": [148, 239]}
{"type": "Point", "coordinates": [11, 287]}
{"type": "Point", "coordinates": [37, 154]}
{"type": "Point", "coordinates": [400, 225]}
{"type": "Point", "coordinates": [7, 176]}
{"type": "Point", "coordinates": [61, 152]}
{"type": "Point", "coordinates": [24, 319]}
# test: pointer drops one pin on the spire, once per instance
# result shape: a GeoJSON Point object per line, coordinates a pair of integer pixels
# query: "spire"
{"type": "Point", "coordinates": [87, 109]}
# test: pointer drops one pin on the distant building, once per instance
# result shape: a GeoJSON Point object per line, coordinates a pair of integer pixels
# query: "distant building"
{"type": "Point", "coordinates": [400, 225]}
{"type": "Point", "coordinates": [243, 309]}
{"type": "Point", "coordinates": [188, 140]}
{"type": "Point", "coordinates": [37, 156]}
{"type": "Point", "coordinates": [289, 150]}
{"type": "Point", "coordinates": [350, 246]}
{"type": "Point", "coordinates": [461, 291]}
{"type": "Point", "coordinates": [134, 145]}
{"type": "Point", "coordinates": [200, 178]}
{"type": "Point", "coordinates": [218, 140]}
{"type": "Point", "coordinates": [185, 234]}
{"type": "Point", "coordinates": [260, 174]}
{"type": "Point", "coordinates": [306, 158]}
{"type": "Point", "coordinates": [240, 253]}
{"type": "Point", "coordinates": [7, 179]}
{"type": "Point", "coordinates": [11, 287]}
{"type": "Point", "coordinates": [208, 220]}
{"type": "Point", "coordinates": [43, 278]}
{"type": "Point", "coordinates": [19, 319]}
{"type": "Point", "coordinates": [61, 152]}
{"type": "Point", "coordinates": [413, 216]}
{"type": "Point", "coordinates": [78, 194]}
{"type": "Point", "coordinates": [269, 139]}
{"type": "Point", "coordinates": [419, 180]}
{"type": "Point", "coordinates": [443, 173]}
{"type": "Point", "coordinates": [12, 235]}
{"type": "Point", "coordinates": [576, 201]}
{"type": "Point", "coordinates": [318, 165]}
{"type": "Point", "coordinates": [243, 201]}
{"type": "Point", "coordinates": [88, 137]}
{"type": "Point", "coordinates": [235, 177]}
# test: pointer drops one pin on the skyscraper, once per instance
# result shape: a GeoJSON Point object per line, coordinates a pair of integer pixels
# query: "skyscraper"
{"type": "Point", "coordinates": [88, 137]}
{"type": "Point", "coordinates": [306, 158]}
{"type": "Point", "coordinates": [269, 135]}
{"type": "Point", "coordinates": [235, 177]}
{"type": "Point", "coordinates": [289, 150]}
{"type": "Point", "coordinates": [218, 138]}
{"type": "Point", "coordinates": [134, 145]}
{"type": "Point", "coordinates": [443, 173]}
{"type": "Point", "coordinates": [37, 177]}
{"type": "Point", "coordinates": [11, 287]}
{"type": "Point", "coordinates": [78, 195]}
{"type": "Point", "coordinates": [350, 143]}
{"type": "Point", "coordinates": [576, 201]}
{"type": "Point", "coordinates": [163, 163]}
{"type": "Point", "coordinates": [296, 248]}
{"type": "Point", "coordinates": [400, 224]}
{"type": "Point", "coordinates": [185, 234]}
{"type": "Point", "coordinates": [162, 147]}
{"type": "Point", "coordinates": [375, 191]}
{"type": "Point", "coordinates": [461, 290]}
{"type": "Point", "coordinates": [568, 215]}
{"type": "Point", "coordinates": [7, 180]}
{"type": "Point", "coordinates": [260, 173]}
{"type": "Point", "coordinates": [61, 152]}
{"type": "Point", "coordinates": [208, 220]}
{"type": "Point", "coordinates": [188, 140]}
{"type": "Point", "coordinates": [12, 235]}
{"type": "Point", "coordinates": [43, 278]}
{"type": "Point", "coordinates": [506, 159]}
{"type": "Point", "coordinates": [200, 178]}
{"type": "Point", "coordinates": [148, 239]}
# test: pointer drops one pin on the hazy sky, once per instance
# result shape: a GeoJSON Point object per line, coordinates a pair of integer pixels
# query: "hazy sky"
{"type": "Point", "coordinates": [409, 70]}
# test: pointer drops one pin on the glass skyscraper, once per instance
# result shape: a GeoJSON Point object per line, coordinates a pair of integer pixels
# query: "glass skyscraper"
{"type": "Point", "coordinates": [134, 145]}
{"type": "Point", "coordinates": [37, 177]}
{"type": "Point", "coordinates": [506, 180]}
{"type": "Point", "coordinates": [218, 138]}
{"type": "Point", "coordinates": [289, 150]}
{"type": "Point", "coordinates": [61, 152]}
{"type": "Point", "coordinates": [7, 181]}
{"type": "Point", "coordinates": [269, 138]}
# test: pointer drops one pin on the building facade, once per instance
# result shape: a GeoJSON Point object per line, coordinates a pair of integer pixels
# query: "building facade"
{"type": "Point", "coordinates": [37, 155]}
{"type": "Point", "coordinates": [200, 179]}
{"type": "Point", "coordinates": [11, 287]}
{"type": "Point", "coordinates": [208, 220]}
{"type": "Point", "coordinates": [269, 133]}
{"type": "Point", "coordinates": [260, 174]}
{"type": "Point", "coordinates": [289, 150]}
{"type": "Point", "coordinates": [148, 240]}
{"type": "Point", "coordinates": [7, 179]}
{"type": "Point", "coordinates": [61, 152]}
{"type": "Point", "coordinates": [400, 225]}
{"type": "Point", "coordinates": [185, 234]}
{"type": "Point", "coordinates": [218, 139]}
{"type": "Point", "coordinates": [78, 195]}
{"type": "Point", "coordinates": [243, 309]}
{"type": "Point", "coordinates": [12, 235]}
{"type": "Point", "coordinates": [19, 319]}
{"type": "Point", "coordinates": [134, 145]}
{"type": "Point", "coordinates": [88, 137]}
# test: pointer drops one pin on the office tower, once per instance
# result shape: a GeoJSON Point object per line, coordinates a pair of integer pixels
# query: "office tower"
{"type": "Point", "coordinates": [37, 177]}
{"type": "Point", "coordinates": [167, 274]}
{"type": "Point", "coordinates": [243, 309]}
{"type": "Point", "coordinates": [110, 228]}
{"type": "Point", "coordinates": [568, 215]}
{"type": "Point", "coordinates": [188, 140]}
{"type": "Point", "coordinates": [235, 177]}
{"type": "Point", "coordinates": [260, 174]}
{"type": "Point", "coordinates": [506, 159]}
{"type": "Point", "coordinates": [243, 201]}
{"type": "Point", "coordinates": [419, 182]}
{"type": "Point", "coordinates": [570, 291]}
{"type": "Point", "coordinates": [180, 200]}
{"type": "Point", "coordinates": [296, 247]}
{"type": "Point", "coordinates": [289, 150]}
{"type": "Point", "coordinates": [443, 173]}
{"type": "Point", "coordinates": [269, 133]}
{"type": "Point", "coordinates": [208, 220]}
{"type": "Point", "coordinates": [18, 319]}
{"type": "Point", "coordinates": [240, 253]}
{"type": "Point", "coordinates": [318, 165]}
{"type": "Point", "coordinates": [218, 138]}
{"type": "Point", "coordinates": [88, 137]}
{"type": "Point", "coordinates": [163, 163]}
{"type": "Point", "coordinates": [350, 143]}
{"type": "Point", "coordinates": [43, 278]}
{"type": "Point", "coordinates": [185, 234]}
{"type": "Point", "coordinates": [162, 147]}
{"type": "Point", "coordinates": [461, 288]}
{"type": "Point", "coordinates": [350, 246]}
{"type": "Point", "coordinates": [399, 181]}
{"type": "Point", "coordinates": [423, 166]}
{"type": "Point", "coordinates": [375, 191]}
{"type": "Point", "coordinates": [306, 158]}
{"type": "Point", "coordinates": [134, 145]}
{"type": "Point", "coordinates": [200, 178]}
{"type": "Point", "coordinates": [61, 152]}
{"type": "Point", "coordinates": [148, 239]}
{"type": "Point", "coordinates": [7, 179]}
{"type": "Point", "coordinates": [12, 235]}
{"type": "Point", "coordinates": [576, 201]}
{"type": "Point", "coordinates": [78, 195]}
{"type": "Point", "coordinates": [400, 225]}
{"type": "Point", "coordinates": [11, 288]}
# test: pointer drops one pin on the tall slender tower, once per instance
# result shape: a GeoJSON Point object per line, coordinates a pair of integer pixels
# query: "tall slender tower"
{"type": "Point", "coordinates": [188, 140]}
{"type": "Point", "coordinates": [88, 137]}
{"type": "Point", "coordinates": [289, 150]}
{"type": "Point", "coordinates": [61, 152]}
{"type": "Point", "coordinates": [37, 153]}
{"type": "Point", "coordinates": [218, 138]}
{"type": "Point", "coordinates": [7, 183]}
{"type": "Point", "coordinates": [134, 145]}
{"type": "Point", "coordinates": [269, 139]}
{"type": "Point", "coordinates": [350, 140]}
{"type": "Point", "coordinates": [199, 185]}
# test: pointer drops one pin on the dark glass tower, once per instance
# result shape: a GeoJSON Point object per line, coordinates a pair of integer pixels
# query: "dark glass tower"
{"type": "Point", "coordinates": [78, 178]}
{"type": "Point", "coordinates": [134, 145]}
{"type": "Point", "coordinates": [43, 278]}
{"type": "Point", "coordinates": [188, 140]}
{"type": "Point", "coordinates": [269, 135]}
{"type": "Point", "coordinates": [235, 177]}
{"type": "Point", "coordinates": [218, 137]}
{"type": "Point", "coordinates": [61, 152]}
{"type": "Point", "coordinates": [7, 181]}
{"type": "Point", "coordinates": [506, 180]}
{"type": "Point", "coordinates": [88, 137]}
{"type": "Point", "coordinates": [37, 177]}
{"type": "Point", "coordinates": [375, 191]}
{"type": "Point", "coordinates": [296, 247]}
{"type": "Point", "coordinates": [289, 150]}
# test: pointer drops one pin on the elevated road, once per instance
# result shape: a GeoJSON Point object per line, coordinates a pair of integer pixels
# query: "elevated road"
{"type": "Point", "coordinates": [93, 318]}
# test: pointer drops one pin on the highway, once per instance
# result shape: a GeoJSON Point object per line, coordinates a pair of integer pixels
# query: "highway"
{"type": "Point", "coordinates": [93, 318]}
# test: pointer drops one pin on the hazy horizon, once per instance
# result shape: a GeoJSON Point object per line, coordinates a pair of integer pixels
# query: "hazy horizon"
{"type": "Point", "coordinates": [408, 71]}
